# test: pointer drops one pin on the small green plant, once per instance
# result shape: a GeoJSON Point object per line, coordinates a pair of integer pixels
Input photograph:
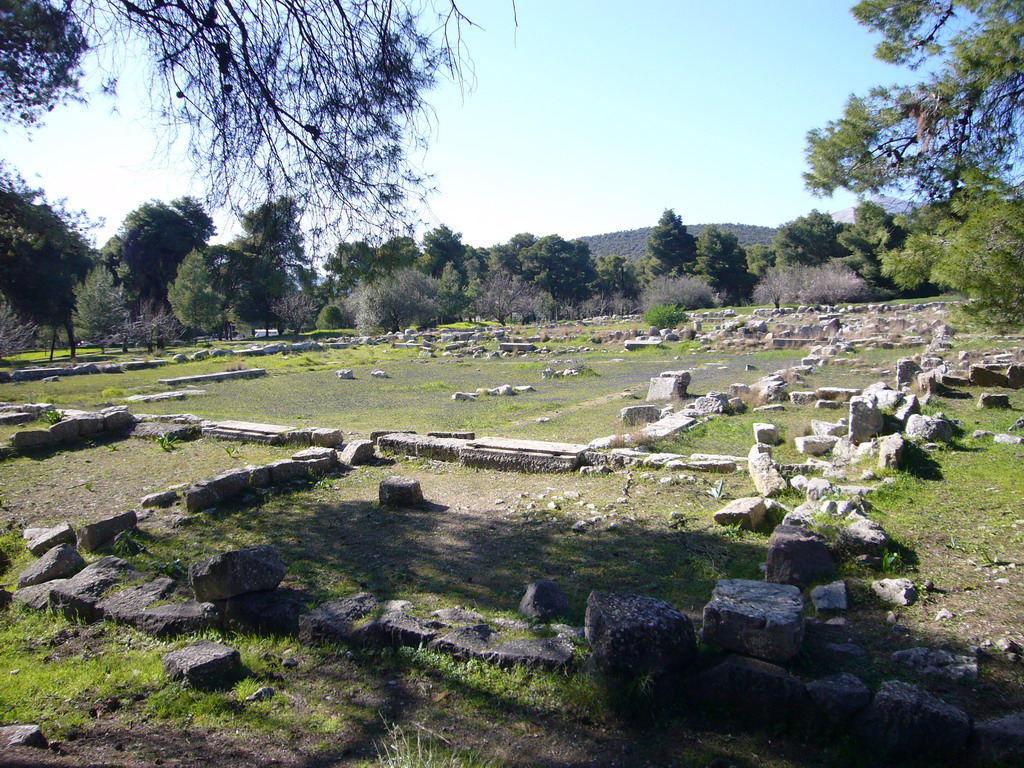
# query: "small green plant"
{"type": "Point", "coordinates": [88, 486]}
{"type": "Point", "coordinates": [52, 417]}
{"type": "Point", "coordinates": [113, 393]}
{"type": "Point", "coordinates": [245, 688]}
{"type": "Point", "coordinates": [665, 316]}
{"type": "Point", "coordinates": [892, 563]}
{"type": "Point", "coordinates": [3, 500]}
{"type": "Point", "coordinates": [231, 451]}
{"type": "Point", "coordinates": [402, 750]}
{"type": "Point", "coordinates": [716, 491]}
{"type": "Point", "coordinates": [167, 442]}
{"type": "Point", "coordinates": [111, 448]}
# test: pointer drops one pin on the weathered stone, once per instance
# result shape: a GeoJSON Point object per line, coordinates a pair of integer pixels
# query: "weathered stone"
{"type": "Point", "coordinates": [22, 736]}
{"type": "Point", "coordinates": [122, 606]}
{"type": "Point", "coordinates": [173, 619]}
{"type": "Point", "coordinates": [274, 612]}
{"type": "Point", "coordinates": [839, 697]}
{"type": "Point", "coordinates": [766, 433]}
{"type": "Point", "coordinates": [828, 428]}
{"type": "Point", "coordinates": [632, 636]}
{"type": "Point", "coordinates": [837, 394]}
{"type": "Point", "coordinates": [396, 628]}
{"type": "Point", "coordinates": [1004, 439]}
{"type": "Point", "coordinates": [753, 689]}
{"type": "Point", "coordinates": [458, 615]}
{"type": "Point", "coordinates": [466, 642]}
{"type": "Point", "coordinates": [929, 428]}
{"type": "Point", "coordinates": [802, 398]}
{"type": "Point", "coordinates": [765, 473]}
{"type": "Point", "coordinates": [635, 415]}
{"type": "Point", "coordinates": [755, 618]}
{"type": "Point", "coordinates": [544, 600]}
{"type": "Point", "coordinates": [906, 372]}
{"type": "Point", "coordinates": [345, 373]}
{"type": "Point", "coordinates": [864, 537]}
{"type": "Point", "coordinates": [798, 556]}
{"type": "Point", "coordinates": [980, 376]}
{"type": "Point", "coordinates": [400, 492]}
{"type": "Point", "coordinates": [333, 621]}
{"type": "Point", "coordinates": [236, 573]}
{"type": "Point", "coordinates": [204, 664]}
{"type": "Point", "coordinates": [285, 470]}
{"type": "Point", "coordinates": [52, 537]}
{"type": "Point", "coordinates": [999, 741]}
{"type": "Point", "coordinates": [747, 513]}
{"type": "Point", "coordinates": [830, 597]}
{"type": "Point", "coordinates": [668, 385]}
{"type": "Point", "coordinates": [897, 591]}
{"type": "Point", "coordinates": [992, 400]}
{"type": "Point", "coordinates": [890, 452]}
{"type": "Point", "coordinates": [117, 418]}
{"type": "Point", "coordinates": [866, 419]}
{"type": "Point", "coordinates": [541, 653]}
{"type": "Point", "coordinates": [60, 562]}
{"type": "Point", "coordinates": [37, 597]}
{"type": "Point", "coordinates": [161, 499]}
{"type": "Point", "coordinates": [937, 663]}
{"type": "Point", "coordinates": [813, 445]}
{"type": "Point", "coordinates": [903, 719]}
{"type": "Point", "coordinates": [77, 597]}
{"type": "Point", "coordinates": [32, 438]}
{"type": "Point", "coordinates": [711, 403]}
{"type": "Point", "coordinates": [1015, 376]}
{"type": "Point", "coordinates": [96, 536]}
{"type": "Point", "coordinates": [357, 453]}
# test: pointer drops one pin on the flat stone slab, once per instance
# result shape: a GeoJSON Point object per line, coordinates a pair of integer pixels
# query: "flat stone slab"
{"type": "Point", "coordinates": [151, 430]}
{"type": "Point", "coordinates": [252, 373]}
{"type": "Point", "coordinates": [755, 618]}
{"type": "Point", "coordinates": [634, 344]}
{"type": "Point", "coordinates": [77, 597]}
{"type": "Point", "coordinates": [179, 394]}
{"type": "Point", "coordinates": [529, 446]}
{"type": "Point", "coordinates": [334, 620]}
{"type": "Point", "coordinates": [204, 664]}
{"type": "Point", "coordinates": [543, 653]}
{"type": "Point", "coordinates": [43, 542]}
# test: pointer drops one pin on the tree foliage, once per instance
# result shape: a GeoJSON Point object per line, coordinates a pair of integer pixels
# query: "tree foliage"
{"type": "Point", "coordinates": [684, 292]}
{"type": "Point", "coordinates": [192, 296]}
{"type": "Point", "coordinates": [319, 98]}
{"type": "Point", "coordinates": [963, 119]}
{"type": "Point", "coordinates": [722, 261]}
{"type": "Point", "coordinates": [408, 297]}
{"type": "Point", "coordinates": [16, 334]}
{"type": "Point", "coordinates": [808, 241]}
{"type": "Point", "coordinates": [101, 308]}
{"type": "Point", "coordinates": [671, 250]}
{"type": "Point", "coordinates": [503, 295]}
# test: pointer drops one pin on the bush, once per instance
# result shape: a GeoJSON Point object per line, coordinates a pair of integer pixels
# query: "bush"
{"type": "Point", "coordinates": [330, 317]}
{"type": "Point", "coordinates": [682, 292]}
{"type": "Point", "coordinates": [665, 316]}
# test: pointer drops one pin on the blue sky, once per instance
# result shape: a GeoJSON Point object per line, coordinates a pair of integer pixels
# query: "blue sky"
{"type": "Point", "coordinates": [587, 117]}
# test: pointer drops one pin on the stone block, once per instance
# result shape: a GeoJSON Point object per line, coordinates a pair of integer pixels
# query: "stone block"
{"type": "Point", "coordinates": [755, 618]}
{"type": "Point", "coordinates": [993, 400]}
{"type": "Point", "coordinates": [60, 562]}
{"type": "Point", "coordinates": [631, 636]}
{"type": "Point", "coordinates": [903, 719]}
{"type": "Point", "coordinates": [839, 697]}
{"type": "Point", "coordinates": [204, 664]}
{"type": "Point", "coordinates": [77, 598]}
{"type": "Point", "coordinates": [275, 612]}
{"type": "Point", "coordinates": [669, 385]}
{"type": "Point", "coordinates": [357, 453]}
{"type": "Point", "coordinates": [635, 415]}
{"type": "Point", "coordinates": [866, 419]}
{"type": "Point", "coordinates": [334, 620]}
{"type": "Point", "coordinates": [798, 556]}
{"type": "Point", "coordinates": [539, 653]}
{"type": "Point", "coordinates": [236, 573]}
{"type": "Point", "coordinates": [544, 600]}
{"type": "Point", "coordinates": [52, 537]}
{"type": "Point", "coordinates": [400, 492]}
{"type": "Point", "coordinates": [813, 445]}
{"type": "Point", "coordinates": [755, 690]}
{"type": "Point", "coordinates": [22, 736]}
{"type": "Point", "coordinates": [747, 513]}
{"type": "Point", "coordinates": [981, 376]}
{"type": "Point", "coordinates": [895, 591]}
{"type": "Point", "coordinates": [96, 536]}
{"type": "Point", "coordinates": [766, 433]}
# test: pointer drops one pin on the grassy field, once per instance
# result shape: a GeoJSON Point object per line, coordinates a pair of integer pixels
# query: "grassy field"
{"type": "Point", "coordinates": [957, 512]}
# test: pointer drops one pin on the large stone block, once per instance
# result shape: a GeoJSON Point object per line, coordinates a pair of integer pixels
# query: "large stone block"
{"type": "Point", "coordinates": [866, 419]}
{"type": "Point", "coordinates": [904, 719]}
{"type": "Point", "coordinates": [60, 562]}
{"type": "Point", "coordinates": [755, 618]}
{"type": "Point", "coordinates": [236, 573]}
{"type": "Point", "coordinates": [981, 376]}
{"type": "Point", "coordinates": [631, 636]}
{"type": "Point", "coordinates": [357, 453]}
{"type": "Point", "coordinates": [747, 513]}
{"type": "Point", "coordinates": [397, 491]}
{"type": "Point", "coordinates": [669, 385]}
{"type": "Point", "coordinates": [798, 556]}
{"type": "Point", "coordinates": [77, 597]}
{"type": "Point", "coordinates": [635, 415]}
{"type": "Point", "coordinates": [204, 664]}
{"type": "Point", "coordinates": [753, 689]}
{"type": "Point", "coordinates": [52, 537]}
{"type": "Point", "coordinates": [96, 536]}
{"type": "Point", "coordinates": [334, 620]}
{"type": "Point", "coordinates": [275, 612]}
{"type": "Point", "coordinates": [765, 473]}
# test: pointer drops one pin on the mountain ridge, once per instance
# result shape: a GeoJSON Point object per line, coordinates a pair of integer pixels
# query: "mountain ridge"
{"type": "Point", "coordinates": [631, 242]}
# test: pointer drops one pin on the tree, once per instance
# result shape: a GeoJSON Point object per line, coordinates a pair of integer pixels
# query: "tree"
{"type": "Point", "coordinates": [503, 295]}
{"type": "Point", "coordinates": [774, 287]}
{"type": "Point", "coordinates": [671, 250]}
{"type": "Point", "coordinates": [441, 246]}
{"type": "Point", "coordinates": [194, 301]}
{"type": "Point", "coordinates": [808, 241]}
{"type": "Point", "coordinates": [151, 244]}
{"type": "Point", "coordinates": [961, 122]}
{"type": "Point", "coordinates": [452, 298]}
{"type": "Point", "coordinates": [39, 59]}
{"type": "Point", "coordinates": [330, 318]}
{"type": "Point", "coordinates": [319, 98]}
{"type": "Point", "coordinates": [43, 255]}
{"type": "Point", "coordinates": [832, 283]}
{"type": "Point", "coordinates": [405, 298]}
{"type": "Point", "coordinates": [874, 231]}
{"type": "Point", "coordinates": [760, 258]}
{"type": "Point", "coordinates": [294, 308]}
{"type": "Point", "coordinates": [101, 308]}
{"type": "Point", "coordinates": [722, 261]}
{"type": "Point", "coordinates": [16, 335]}
{"type": "Point", "coordinates": [273, 231]}
{"type": "Point", "coordinates": [508, 256]}
{"type": "Point", "coordinates": [684, 292]}
{"type": "Point", "coordinates": [616, 276]}
{"type": "Point", "coordinates": [563, 268]}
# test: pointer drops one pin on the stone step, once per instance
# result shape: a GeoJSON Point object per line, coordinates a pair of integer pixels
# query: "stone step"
{"type": "Point", "coordinates": [251, 373]}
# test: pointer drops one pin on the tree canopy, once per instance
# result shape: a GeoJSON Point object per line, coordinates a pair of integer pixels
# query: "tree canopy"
{"type": "Point", "coordinates": [321, 99]}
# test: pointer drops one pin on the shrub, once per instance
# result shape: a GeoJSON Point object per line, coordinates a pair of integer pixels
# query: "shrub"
{"type": "Point", "coordinates": [330, 317]}
{"type": "Point", "coordinates": [665, 316]}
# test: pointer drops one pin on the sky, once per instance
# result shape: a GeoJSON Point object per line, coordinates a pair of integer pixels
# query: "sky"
{"type": "Point", "coordinates": [584, 117]}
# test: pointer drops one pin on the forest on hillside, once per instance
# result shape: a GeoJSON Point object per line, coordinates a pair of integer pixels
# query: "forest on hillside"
{"type": "Point", "coordinates": [632, 242]}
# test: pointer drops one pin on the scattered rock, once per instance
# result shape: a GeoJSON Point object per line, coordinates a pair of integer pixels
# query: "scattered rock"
{"type": "Point", "coordinates": [754, 689]}
{"type": "Point", "coordinates": [896, 591]}
{"type": "Point", "coordinates": [357, 453]}
{"type": "Point", "coordinates": [798, 556]}
{"type": "Point", "coordinates": [51, 537]}
{"type": "Point", "coordinates": [400, 492]}
{"type": "Point", "coordinates": [60, 562]}
{"type": "Point", "coordinates": [830, 597]}
{"type": "Point", "coordinates": [235, 573]}
{"type": "Point", "coordinates": [544, 600]}
{"type": "Point", "coordinates": [937, 663]}
{"type": "Point", "coordinates": [839, 697]}
{"type": "Point", "coordinates": [204, 664]}
{"type": "Point", "coordinates": [22, 736]}
{"type": "Point", "coordinates": [747, 513]}
{"type": "Point", "coordinates": [97, 536]}
{"type": "Point", "coordinates": [991, 400]}
{"type": "Point", "coordinates": [903, 719]}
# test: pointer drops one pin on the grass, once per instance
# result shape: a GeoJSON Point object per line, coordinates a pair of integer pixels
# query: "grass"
{"type": "Point", "coordinates": [484, 535]}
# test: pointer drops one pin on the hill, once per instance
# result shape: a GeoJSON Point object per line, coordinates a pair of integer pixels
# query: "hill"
{"type": "Point", "coordinates": [630, 243]}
